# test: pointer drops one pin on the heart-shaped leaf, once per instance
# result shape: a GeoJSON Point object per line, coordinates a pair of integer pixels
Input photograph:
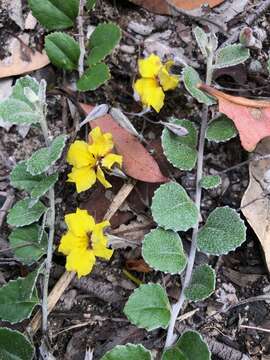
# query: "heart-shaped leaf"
{"type": "Point", "coordinates": [221, 129]}
{"type": "Point", "coordinates": [181, 150]}
{"type": "Point", "coordinates": [174, 353]}
{"type": "Point", "coordinates": [44, 158]}
{"type": "Point", "coordinates": [137, 162]}
{"type": "Point", "coordinates": [27, 244]}
{"type": "Point", "coordinates": [62, 50]}
{"type": "Point", "coordinates": [24, 213]}
{"type": "Point", "coordinates": [202, 283]}
{"type": "Point", "coordinates": [223, 231]}
{"type": "Point", "coordinates": [102, 42]}
{"type": "Point", "coordinates": [210, 181]}
{"type": "Point", "coordinates": [173, 209]}
{"type": "Point", "coordinates": [231, 55]}
{"type": "Point", "coordinates": [128, 351]}
{"type": "Point", "coordinates": [163, 251]}
{"type": "Point", "coordinates": [94, 77]}
{"type": "Point", "coordinates": [55, 14]}
{"type": "Point", "coordinates": [191, 80]}
{"type": "Point", "coordinates": [18, 298]}
{"type": "Point", "coordinates": [14, 345]}
{"type": "Point", "coordinates": [193, 346]}
{"type": "Point", "coordinates": [148, 307]}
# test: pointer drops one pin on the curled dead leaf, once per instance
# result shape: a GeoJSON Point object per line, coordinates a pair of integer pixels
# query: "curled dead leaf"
{"type": "Point", "coordinates": [138, 265]}
{"type": "Point", "coordinates": [137, 162]}
{"type": "Point", "coordinates": [163, 6]}
{"type": "Point", "coordinates": [251, 117]}
{"type": "Point", "coordinates": [255, 202]}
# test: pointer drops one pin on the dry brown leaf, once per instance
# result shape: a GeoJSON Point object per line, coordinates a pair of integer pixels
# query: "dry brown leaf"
{"type": "Point", "coordinates": [255, 203]}
{"type": "Point", "coordinates": [251, 117]}
{"type": "Point", "coordinates": [162, 7]}
{"type": "Point", "coordinates": [22, 60]}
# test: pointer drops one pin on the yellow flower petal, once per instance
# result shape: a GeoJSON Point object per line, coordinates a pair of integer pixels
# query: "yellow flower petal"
{"type": "Point", "coordinates": [69, 241]}
{"type": "Point", "coordinates": [99, 241]}
{"type": "Point", "coordinates": [109, 160]}
{"type": "Point", "coordinates": [101, 178]}
{"type": "Point", "coordinates": [151, 94]}
{"type": "Point", "coordinates": [79, 156]}
{"type": "Point", "coordinates": [83, 177]}
{"type": "Point", "coordinates": [167, 81]}
{"type": "Point", "coordinates": [100, 144]}
{"type": "Point", "coordinates": [150, 66]}
{"type": "Point", "coordinates": [80, 261]}
{"type": "Point", "coordinates": [80, 223]}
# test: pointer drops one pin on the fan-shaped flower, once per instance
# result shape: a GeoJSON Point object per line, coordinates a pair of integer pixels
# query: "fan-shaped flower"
{"type": "Point", "coordinates": [87, 160]}
{"type": "Point", "coordinates": [155, 79]}
{"type": "Point", "coordinates": [83, 242]}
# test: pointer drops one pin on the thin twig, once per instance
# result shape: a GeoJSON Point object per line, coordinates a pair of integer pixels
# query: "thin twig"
{"type": "Point", "coordinates": [255, 328]}
{"type": "Point", "coordinates": [80, 21]}
{"type": "Point", "coordinates": [191, 259]}
{"type": "Point", "coordinates": [6, 206]}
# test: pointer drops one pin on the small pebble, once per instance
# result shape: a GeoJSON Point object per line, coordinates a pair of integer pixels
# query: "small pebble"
{"type": "Point", "coordinates": [128, 49]}
{"type": "Point", "coordinates": [140, 29]}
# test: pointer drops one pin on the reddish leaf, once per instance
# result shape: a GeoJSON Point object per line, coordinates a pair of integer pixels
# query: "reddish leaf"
{"type": "Point", "coordinates": [138, 265]}
{"type": "Point", "coordinates": [251, 117]}
{"type": "Point", "coordinates": [162, 7]}
{"type": "Point", "coordinates": [137, 162]}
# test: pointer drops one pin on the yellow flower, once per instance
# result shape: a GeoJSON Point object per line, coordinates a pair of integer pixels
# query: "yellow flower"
{"type": "Point", "coordinates": [83, 242]}
{"type": "Point", "coordinates": [155, 79]}
{"type": "Point", "coordinates": [87, 160]}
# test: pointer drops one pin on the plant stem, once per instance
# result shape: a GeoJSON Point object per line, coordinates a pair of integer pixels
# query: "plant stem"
{"type": "Point", "coordinates": [81, 38]}
{"type": "Point", "coordinates": [192, 254]}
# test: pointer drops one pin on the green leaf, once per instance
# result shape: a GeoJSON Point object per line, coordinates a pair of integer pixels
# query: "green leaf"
{"type": "Point", "coordinates": [90, 4]}
{"type": "Point", "coordinates": [44, 158]}
{"type": "Point", "coordinates": [224, 231]}
{"type": "Point", "coordinates": [128, 351]}
{"type": "Point", "coordinates": [202, 283]}
{"type": "Point", "coordinates": [62, 50]}
{"type": "Point", "coordinates": [191, 81]}
{"type": "Point", "coordinates": [37, 185]}
{"type": "Point", "coordinates": [210, 181]}
{"type": "Point", "coordinates": [23, 213]}
{"type": "Point", "coordinates": [27, 245]}
{"type": "Point", "coordinates": [94, 77]}
{"type": "Point", "coordinates": [15, 346]}
{"type": "Point", "coordinates": [18, 298]}
{"type": "Point", "coordinates": [163, 251]}
{"type": "Point", "coordinates": [173, 209]}
{"type": "Point", "coordinates": [19, 109]}
{"type": "Point", "coordinates": [202, 40]}
{"type": "Point", "coordinates": [231, 55]}
{"type": "Point", "coordinates": [55, 14]}
{"type": "Point", "coordinates": [102, 42]}
{"type": "Point", "coordinates": [148, 307]}
{"type": "Point", "coordinates": [221, 129]}
{"type": "Point", "coordinates": [181, 150]}
{"type": "Point", "coordinates": [174, 353]}
{"type": "Point", "coordinates": [268, 65]}
{"type": "Point", "coordinates": [193, 346]}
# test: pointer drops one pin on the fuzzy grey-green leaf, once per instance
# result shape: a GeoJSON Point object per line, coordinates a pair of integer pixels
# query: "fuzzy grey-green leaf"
{"type": "Point", "coordinates": [23, 213]}
{"type": "Point", "coordinates": [231, 55]}
{"type": "Point", "coordinates": [128, 351]}
{"type": "Point", "coordinates": [221, 129]}
{"type": "Point", "coordinates": [62, 50]}
{"type": "Point", "coordinates": [148, 307]}
{"type": "Point", "coordinates": [27, 245]}
{"type": "Point", "coordinates": [181, 150]}
{"type": "Point", "coordinates": [193, 346]}
{"type": "Point", "coordinates": [102, 42]}
{"type": "Point", "coordinates": [173, 209]}
{"type": "Point", "coordinates": [191, 81]}
{"type": "Point", "coordinates": [210, 181]}
{"type": "Point", "coordinates": [223, 231]}
{"type": "Point", "coordinates": [18, 298]}
{"type": "Point", "coordinates": [43, 186]}
{"type": "Point", "coordinates": [202, 283]}
{"type": "Point", "coordinates": [94, 77]}
{"type": "Point", "coordinates": [163, 251]}
{"type": "Point", "coordinates": [55, 14]}
{"type": "Point", "coordinates": [173, 353]}
{"type": "Point", "coordinates": [202, 40]}
{"type": "Point", "coordinates": [44, 158]}
{"type": "Point", "coordinates": [14, 345]}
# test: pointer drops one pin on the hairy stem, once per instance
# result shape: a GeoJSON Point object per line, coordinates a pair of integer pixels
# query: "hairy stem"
{"type": "Point", "coordinates": [192, 254]}
{"type": "Point", "coordinates": [81, 37]}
